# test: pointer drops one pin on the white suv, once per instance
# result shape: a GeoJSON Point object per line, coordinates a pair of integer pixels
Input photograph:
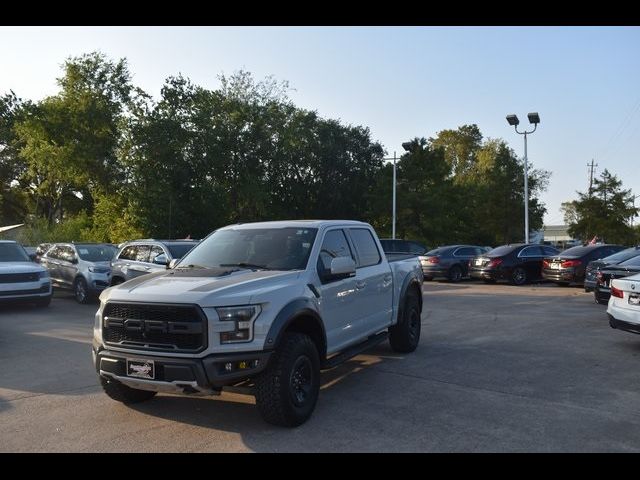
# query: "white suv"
{"type": "Point", "coordinates": [20, 278]}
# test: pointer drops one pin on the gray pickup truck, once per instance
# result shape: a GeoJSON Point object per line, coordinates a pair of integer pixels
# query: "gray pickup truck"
{"type": "Point", "coordinates": [262, 308]}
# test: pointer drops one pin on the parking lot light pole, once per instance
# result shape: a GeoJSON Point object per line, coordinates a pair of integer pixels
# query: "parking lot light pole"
{"type": "Point", "coordinates": [534, 119]}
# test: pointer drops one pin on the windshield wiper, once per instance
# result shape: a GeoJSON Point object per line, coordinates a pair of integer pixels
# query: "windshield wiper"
{"type": "Point", "coordinates": [251, 266]}
{"type": "Point", "coordinates": [191, 266]}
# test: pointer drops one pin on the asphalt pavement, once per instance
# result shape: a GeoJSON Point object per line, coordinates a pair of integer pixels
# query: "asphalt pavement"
{"type": "Point", "coordinates": [499, 369]}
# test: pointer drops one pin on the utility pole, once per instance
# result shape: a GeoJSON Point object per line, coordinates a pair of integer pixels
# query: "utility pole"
{"type": "Point", "coordinates": [591, 166]}
{"type": "Point", "coordinates": [393, 234]}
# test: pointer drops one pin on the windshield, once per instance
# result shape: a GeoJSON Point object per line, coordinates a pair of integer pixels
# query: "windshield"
{"type": "Point", "coordinates": [268, 248]}
{"type": "Point", "coordinates": [96, 253]}
{"type": "Point", "coordinates": [12, 252]}
{"type": "Point", "coordinates": [500, 251]}
{"type": "Point", "coordinates": [179, 250]}
{"type": "Point", "coordinates": [622, 256]}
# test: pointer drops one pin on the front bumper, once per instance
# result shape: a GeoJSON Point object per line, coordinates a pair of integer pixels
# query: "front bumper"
{"type": "Point", "coordinates": [25, 291]}
{"type": "Point", "coordinates": [182, 375]}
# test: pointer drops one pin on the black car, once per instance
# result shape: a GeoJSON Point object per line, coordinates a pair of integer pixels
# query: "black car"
{"type": "Point", "coordinates": [518, 263]}
{"type": "Point", "coordinates": [451, 261]}
{"type": "Point", "coordinates": [591, 272]}
{"type": "Point", "coordinates": [602, 291]}
{"type": "Point", "coordinates": [570, 265]}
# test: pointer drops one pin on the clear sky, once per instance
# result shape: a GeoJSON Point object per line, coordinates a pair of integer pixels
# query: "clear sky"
{"type": "Point", "coordinates": [401, 82]}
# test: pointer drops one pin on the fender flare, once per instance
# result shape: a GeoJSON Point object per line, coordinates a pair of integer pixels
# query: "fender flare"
{"type": "Point", "coordinates": [409, 282]}
{"type": "Point", "coordinates": [286, 316]}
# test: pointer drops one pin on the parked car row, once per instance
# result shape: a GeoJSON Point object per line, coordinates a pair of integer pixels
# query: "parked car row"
{"type": "Point", "coordinates": [84, 268]}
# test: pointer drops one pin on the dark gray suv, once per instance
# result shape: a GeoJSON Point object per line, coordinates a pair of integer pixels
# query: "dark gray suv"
{"type": "Point", "coordinates": [140, 257]}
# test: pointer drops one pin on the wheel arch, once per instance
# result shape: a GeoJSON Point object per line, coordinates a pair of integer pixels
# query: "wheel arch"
{"type": "Point", "coordinates": [410, 283]}
{"type": "Point", "coordinates": [298, 316]}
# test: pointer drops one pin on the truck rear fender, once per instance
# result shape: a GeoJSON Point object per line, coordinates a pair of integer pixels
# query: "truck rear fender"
{"type": "Point", "coordinates": [298, 316]}
{"type": "Point", "coordinates": [410, 283]}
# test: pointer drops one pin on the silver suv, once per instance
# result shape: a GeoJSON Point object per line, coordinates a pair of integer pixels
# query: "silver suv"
{"type": "Point", "coordinates": [140, 257]}
{"type": "Point", "coordinates": [84, 268]}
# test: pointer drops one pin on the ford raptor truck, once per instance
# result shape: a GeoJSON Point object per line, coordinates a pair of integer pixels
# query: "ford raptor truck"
{"type": "Point", "coordinates": [260, 308]}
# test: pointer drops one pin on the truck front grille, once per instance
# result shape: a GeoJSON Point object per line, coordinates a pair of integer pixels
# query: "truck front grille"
{"type": "Point", "coordinates": [155, 327]}
{"type": "Point", "coordinates": [19, 277]}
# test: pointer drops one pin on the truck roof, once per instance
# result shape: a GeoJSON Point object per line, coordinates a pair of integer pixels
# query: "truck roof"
{"type": "Point", "coordinates": [299, 224]}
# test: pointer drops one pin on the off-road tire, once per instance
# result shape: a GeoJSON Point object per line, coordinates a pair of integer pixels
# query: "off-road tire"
{"type": "Point", "coordinates": [287, 391]}
{"type": "Point", "coordinates": [121, 393]}
{"type": "Point", "coordinates": [404, 337]}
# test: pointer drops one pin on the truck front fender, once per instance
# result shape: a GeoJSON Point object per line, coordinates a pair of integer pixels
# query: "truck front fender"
{"type": "Point", "coordinates": [300, 316]}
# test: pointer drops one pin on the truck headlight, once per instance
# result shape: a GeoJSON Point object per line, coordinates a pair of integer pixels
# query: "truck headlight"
{"type": "Point", "coordinates": [243, 317]}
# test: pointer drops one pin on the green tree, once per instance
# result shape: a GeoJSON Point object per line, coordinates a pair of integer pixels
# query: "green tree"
{"type": "Point", "coordinates": [605, 212]}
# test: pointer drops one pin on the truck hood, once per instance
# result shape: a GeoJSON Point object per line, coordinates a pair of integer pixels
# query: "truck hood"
{"type": "Point", "coordinates": [20, 267]}
{"type": "Point", "coordinates": [205, 287]}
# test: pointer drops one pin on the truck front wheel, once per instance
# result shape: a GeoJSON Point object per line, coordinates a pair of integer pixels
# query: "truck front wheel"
{"type": "Point", "coordinates": [122, 393]}
{"type": "Point", "coordinates": [287, 391]}
{"type": "Point", "coordinates": [405, 335]}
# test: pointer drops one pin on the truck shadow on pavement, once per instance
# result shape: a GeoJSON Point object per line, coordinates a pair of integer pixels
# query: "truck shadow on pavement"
{"type": "Point", "coordinates": [238, 413]}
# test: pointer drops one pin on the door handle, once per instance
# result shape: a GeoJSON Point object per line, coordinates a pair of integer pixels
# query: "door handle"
{"type": "Point", "coordinates": [361, 285]}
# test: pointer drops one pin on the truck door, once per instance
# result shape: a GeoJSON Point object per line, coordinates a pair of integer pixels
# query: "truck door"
{"type": "Point", "coordinates": [374, 283]}
{"type": "Point", "coordinates": [338, 305]}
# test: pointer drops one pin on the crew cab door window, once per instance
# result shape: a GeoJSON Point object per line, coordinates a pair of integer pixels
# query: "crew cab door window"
{"type": "Point", "coordinates": [366, 247]}
{"type": "Point", "coordinates": [334, 245]}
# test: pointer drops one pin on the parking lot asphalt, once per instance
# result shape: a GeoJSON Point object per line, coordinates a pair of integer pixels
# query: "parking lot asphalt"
{"type": "Point", "coordinates": [499, 368]}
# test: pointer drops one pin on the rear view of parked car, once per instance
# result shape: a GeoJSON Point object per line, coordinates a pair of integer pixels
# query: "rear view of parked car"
{"type": "Point", "coordinates": [627, 268]}
{"type": "Point", "coordinates": [591, 272]}
{"type": "Point", "coordinates": [624, 305]}
{"type": "Point", "coordinates": [451, 262]}
{"type": "Point", "coordinates": [147, 256]}
{"type": "Point", "coordinates": [518, 263]}
{"type": "Point", "coordinates": [20, 278]}
{"type": "Point", "coordinates": [570, 266]}
{"type": "Point", "coordinates": [84, 268]}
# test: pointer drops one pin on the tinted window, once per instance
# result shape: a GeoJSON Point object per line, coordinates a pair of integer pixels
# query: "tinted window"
{"type": "Point", "coordinates": [479, 250]}
{"type": "Point", "coordinates": [179, 250]}
{"type": "Point", "coordinates": [437, 251]}
{"type": "Point", "coordinates": [623, 255]}
{"type": "Point", "coordinates": [501, 251]}
{"type": "Point", "coordinates": [96, 253]}
{"type": "Point", "coordinates": [270, 248]}
{"type": "Point", "coordinates": [368, 253]}
{"type": "Point", "coordinates": [531, 252]}
{"type": "Point", "coordinates": [465, 252]}
{"type": "Point", "coordinates": [155, 251]}
{"type": "Point", "coordinates": [67, 254]}
{"type": "Point", "coordinates": [12, 252]}
{"type": "Point", "coordinates": [633, 262]}
{"type": "Point", "coordinates": [577, 251]}
{"type": "Point", "coordinates": [334, 245]}
{"type": "Point", "coordinates": [128, 253]}
{"type": "Point", "coordinates": [550, 251]}
{"type": "Point", "coordinates": [142, 253]}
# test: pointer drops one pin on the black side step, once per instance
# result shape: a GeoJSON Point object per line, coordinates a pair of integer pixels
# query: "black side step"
{"type": "Point", "coordinates": [354, 350]}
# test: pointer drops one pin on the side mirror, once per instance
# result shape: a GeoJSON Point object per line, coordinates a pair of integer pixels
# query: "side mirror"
{"type": "Point", "coordinates": [160, 259]}
{"type": "Point", "coordinates": [33, 257]}
{"type": "Point", "coordinates": [342, 267]}
{"type": "Point", "coordinates": [172, 264]}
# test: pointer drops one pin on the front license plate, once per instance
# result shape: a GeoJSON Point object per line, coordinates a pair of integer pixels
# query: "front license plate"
{"type": "Point", "coordinates": [634, 299]}
{"type": "Point", "coordinates": [141, 369]}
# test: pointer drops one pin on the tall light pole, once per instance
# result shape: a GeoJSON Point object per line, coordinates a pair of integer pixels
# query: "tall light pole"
{"type": "Point", "coordinates": [534, 119]}
{"type": "Point", "coordinates": [393, 201]}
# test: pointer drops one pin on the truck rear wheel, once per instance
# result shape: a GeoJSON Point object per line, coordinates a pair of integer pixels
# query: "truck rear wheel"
{"type": "Point", "coordinates": [122, 393]}
{"type": "Point", "coordinates": [287, 391]}
{"type": "Point", "coordinates": [405, 335]}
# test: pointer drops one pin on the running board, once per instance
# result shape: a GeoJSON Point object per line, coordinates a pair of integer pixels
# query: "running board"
{"type": "Point", "coordinates": [354, 350]}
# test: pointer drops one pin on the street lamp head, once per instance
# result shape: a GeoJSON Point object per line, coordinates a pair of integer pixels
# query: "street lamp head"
{"type": "Point", "coordinates": [534, 118]}
{"type": "Point", "coordinates": [513, 120]}
{"type": "Point", "coordinates": [408, 146]}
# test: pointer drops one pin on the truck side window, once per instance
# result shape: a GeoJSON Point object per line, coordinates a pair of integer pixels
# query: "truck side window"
{"type": "Point", "coordinates": [334, 245]}
{"type": "Point", "coordinates": [366, 246]}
